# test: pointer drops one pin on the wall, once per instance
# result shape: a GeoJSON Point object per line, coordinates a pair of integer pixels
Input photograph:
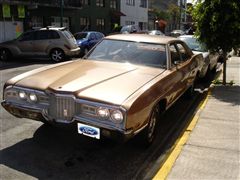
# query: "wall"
{"type": "Point", "coordinates": [133, 13]}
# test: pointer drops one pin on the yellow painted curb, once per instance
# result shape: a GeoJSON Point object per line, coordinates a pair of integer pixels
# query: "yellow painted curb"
{"type": "Point", "coordinates": [173, 155]}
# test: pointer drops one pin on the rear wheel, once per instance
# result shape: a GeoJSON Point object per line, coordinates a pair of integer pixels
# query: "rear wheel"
{"type": "Point", "coordinates": [4, 54]}
{"type": "Point", "coordinates": [190, 92]}
{"type": "Point", "coordinates": [57, 55]}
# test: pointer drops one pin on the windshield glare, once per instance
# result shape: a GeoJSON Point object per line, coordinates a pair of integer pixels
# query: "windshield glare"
{"type": "Point", "coordinates": [194, 44]}
{"type": "Point", "coordinates": [130, 52]}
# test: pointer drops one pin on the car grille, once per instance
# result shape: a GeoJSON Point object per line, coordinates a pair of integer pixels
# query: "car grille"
{"type": "Point", "coordinates": [61, 108]}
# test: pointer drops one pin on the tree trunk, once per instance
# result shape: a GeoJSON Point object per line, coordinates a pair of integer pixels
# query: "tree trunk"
{"type": "Point", "coordinates": [224, 67]}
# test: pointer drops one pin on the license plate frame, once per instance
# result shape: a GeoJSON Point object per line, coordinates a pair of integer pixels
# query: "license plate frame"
{"type": "Point", "coordinates": [88, 130]}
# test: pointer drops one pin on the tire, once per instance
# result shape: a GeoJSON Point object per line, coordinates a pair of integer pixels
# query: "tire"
{"type": "Point", "coordinates": [4, 54]}
{"type": "Point", "coordinates": [149, 133]}
{"type": "Point", "coordinates": [189, 94]}
{"type": "Point", "coordinates": [57, 55]}
{"type": "Point", "coordinates": [85, 51]}
{"type": "Point", "coordinates": [207, 75]}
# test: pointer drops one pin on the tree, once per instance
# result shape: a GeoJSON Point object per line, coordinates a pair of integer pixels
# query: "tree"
{"type": "Point", "coordinates": [174, 13]}
{"type": "Point", "coordinates": [218, 26]}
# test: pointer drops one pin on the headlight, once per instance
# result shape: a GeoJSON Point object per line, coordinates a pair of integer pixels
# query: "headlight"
{"type": "Point", "coordinates": [103, 112]}
{"type": "Point", "coordinates": [10, 94]}
{"type": "Point", "coordinates": [33, 97]}
{"type": "Point", "coordinates": [116, 116]}
{"type": "Point", "coordinates": [22, 95]}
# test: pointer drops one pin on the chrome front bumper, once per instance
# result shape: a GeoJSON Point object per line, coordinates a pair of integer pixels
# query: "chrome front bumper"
{"type": "Point", "coordinates": [38, 114]}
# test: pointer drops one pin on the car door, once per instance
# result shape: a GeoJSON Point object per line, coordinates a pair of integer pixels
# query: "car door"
{"type": "Point", "coordinates": [187, 67]}
{"type": "Point", "coordinates": [43, 40]}
{"type": "Point", "coordinates": [180, 70]}
{"type": "Point", "coordinates": [213, 56]}
{"type": "Point", "coordinates": [25, 44]}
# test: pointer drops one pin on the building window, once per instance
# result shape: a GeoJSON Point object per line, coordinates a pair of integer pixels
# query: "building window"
{"type": "Point", "coordinates": [84, 23]}
{"type": "Point", "coordinates": [100, 3]}
{"type": "Point", "coordinates": [100, 24]}
{"type": "Point", "coordinates": [129, 22]}
{"type": "Point", "coordinates": [85, 2]}
{"type": "Point", "coordinates": [56, 21]}
{"type": "Point", "coordinates": [113, 4]}
{"type": "Point", "coordinates": [37, 22]}
{"type": "Point", "coordinates": [130, 2]}
{"type": "Point", "coordinates": [142, 25]}
{"type": "Point", "coordinates": [143, 3]}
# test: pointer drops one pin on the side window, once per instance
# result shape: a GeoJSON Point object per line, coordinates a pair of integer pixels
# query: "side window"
{"type": "Point", "coordinates": [28, 36]}
{"type": "Point", "coordinates": [41, 35]}
{"type": "Point", "coordinates": [174, 54]}
{"type": "Point", "coordinates": [98, 36]}
{"type": "Point", "coordinates": [183, 52]}
{"type": "Point", "coordinates": [53, 35]}
{"type": "Point", "coordinates": [92, 36]}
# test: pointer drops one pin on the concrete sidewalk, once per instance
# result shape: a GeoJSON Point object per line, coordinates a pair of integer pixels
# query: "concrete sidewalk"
{"type": "Point", "coordinates": [213, 148]}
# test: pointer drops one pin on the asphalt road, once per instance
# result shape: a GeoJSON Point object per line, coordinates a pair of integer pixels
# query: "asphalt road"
{"type": "Point", "coordinates": [32, 150]}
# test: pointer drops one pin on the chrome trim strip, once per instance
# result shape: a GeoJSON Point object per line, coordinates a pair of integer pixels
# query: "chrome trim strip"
{"type": "Point", "coordinates": [20, 106]}
{"type": "Point", "coordinates": [139, 130]}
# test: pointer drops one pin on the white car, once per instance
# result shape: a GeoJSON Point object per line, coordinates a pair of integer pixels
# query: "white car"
{"type": "Point", "coordinates": [210, 58]}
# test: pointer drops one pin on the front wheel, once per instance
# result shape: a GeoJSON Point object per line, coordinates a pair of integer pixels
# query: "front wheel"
{"type": "Point", "coordinates": [57, 55]}
{"type": "Point", "coordinates": [149, 132]}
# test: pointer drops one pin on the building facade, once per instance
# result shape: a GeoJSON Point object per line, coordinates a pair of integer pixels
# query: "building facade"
{"type": "Point", "coordinates": [17, 16]}
{"type": "Point", "coordinates": [136, 12]}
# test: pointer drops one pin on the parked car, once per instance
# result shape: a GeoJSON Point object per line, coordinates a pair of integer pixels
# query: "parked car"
{"type": "Point", "coordinates": [130, 29]}
{"type": "Point", "coordinates": [177, 33]}
{"type": "Point", "coordinates": [156, 32]}
{"type": "Point", "coordinates": [210, 58]}
{"type": "Point", "coordinates": [118, 89]}
{"type": "Point", "coordinates": [86, 40]}
{"type": "Point", "coordinates": [56, 43]}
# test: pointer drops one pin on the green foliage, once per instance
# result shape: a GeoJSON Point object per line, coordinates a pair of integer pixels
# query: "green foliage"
{"type": "Point", "coordinates": [218, 23]}
{"type": "Point", "coordinates": [159, 14]}
{"type": "Point", "coordinates": [174, 12]}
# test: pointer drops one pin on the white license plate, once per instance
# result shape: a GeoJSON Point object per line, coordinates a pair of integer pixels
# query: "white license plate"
{"type": "Point", "coordinates": [89, 130]}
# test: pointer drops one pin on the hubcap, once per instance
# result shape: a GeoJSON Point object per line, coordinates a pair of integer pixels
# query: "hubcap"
{"type": "Point", "coordinates": [152, 125]}
{"type": "Point", "coordinates": [57, 55]}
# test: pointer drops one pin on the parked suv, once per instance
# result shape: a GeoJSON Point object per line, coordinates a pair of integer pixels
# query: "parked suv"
{"type": "Point", "coordinates": [56, 43]}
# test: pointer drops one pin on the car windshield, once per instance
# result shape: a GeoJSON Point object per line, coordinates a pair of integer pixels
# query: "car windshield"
{"type": "Point", "coordinates": [194, 44]}
{"type": "Point", "coordinates": [81, 35]}
{"type": "Point", "coordinates": [146, 54]}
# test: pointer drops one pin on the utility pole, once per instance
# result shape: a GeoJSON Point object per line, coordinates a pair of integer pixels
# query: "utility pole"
{"type": "Point", "coordinates": [61, 18]}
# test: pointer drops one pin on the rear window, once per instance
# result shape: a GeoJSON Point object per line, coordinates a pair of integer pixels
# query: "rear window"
{"type": "Point", "coordinates": [68, 34]}
{"type": "Point", "coordinates": [46, 34]}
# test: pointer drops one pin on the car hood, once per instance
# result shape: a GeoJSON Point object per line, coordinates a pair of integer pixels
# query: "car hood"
{"type": "Point", "coordinates": [93, 80]}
